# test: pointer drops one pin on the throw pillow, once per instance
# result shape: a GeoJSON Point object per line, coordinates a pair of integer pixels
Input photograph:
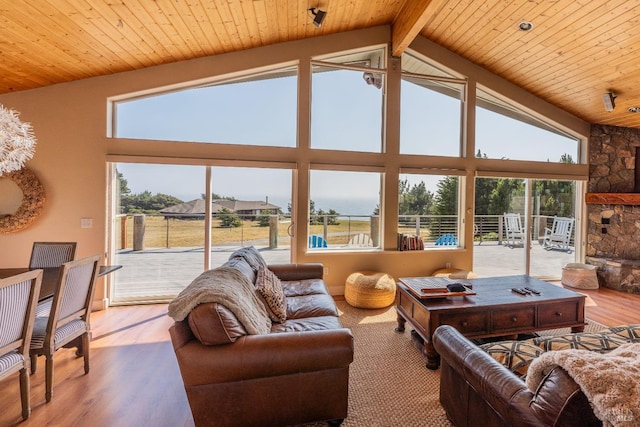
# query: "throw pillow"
{"type": "Point", "coordinates": [270, 288]}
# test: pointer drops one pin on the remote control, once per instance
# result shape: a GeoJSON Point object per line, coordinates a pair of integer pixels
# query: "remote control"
{"type": "Point", "coordinates": [533, 291]}
{"type": "Point", "coordinates": [518, 291]}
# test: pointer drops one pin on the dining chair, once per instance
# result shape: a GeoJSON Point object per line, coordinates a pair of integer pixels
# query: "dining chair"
{"type": "Point", "coordinates": [18, 298]}
{"type": "Point", "coordinates": [51, 254]}
{"type": "Point", "coordinates": [67, 324]}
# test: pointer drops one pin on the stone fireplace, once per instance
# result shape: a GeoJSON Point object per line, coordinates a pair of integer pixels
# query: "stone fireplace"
{"type": "Point", "coordinates": [613, 206]}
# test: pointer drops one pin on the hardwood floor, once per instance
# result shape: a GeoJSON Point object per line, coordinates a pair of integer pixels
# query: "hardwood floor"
{"type": "Point", "coordinates": [134, 378]}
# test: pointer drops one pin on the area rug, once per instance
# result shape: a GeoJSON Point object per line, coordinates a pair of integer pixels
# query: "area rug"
{"type": "Point", "coordinates": [389, 384]}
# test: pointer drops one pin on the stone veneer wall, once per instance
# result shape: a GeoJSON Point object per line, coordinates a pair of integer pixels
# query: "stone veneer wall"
{"type": "Point", "coordinates": [613, 231]}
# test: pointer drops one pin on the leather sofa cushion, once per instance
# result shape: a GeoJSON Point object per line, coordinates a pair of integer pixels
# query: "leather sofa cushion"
{"type": "Point", "coordinates": [295, 288]}
{"type": "Point", "coordinates": [319, 323]}
{"type": "Point", "coordinates": [311, 306]}
{"type": "Point", "coordinates": [213, 324]}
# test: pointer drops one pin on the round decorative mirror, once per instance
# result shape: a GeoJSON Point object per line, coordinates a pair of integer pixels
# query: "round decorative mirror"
{"type": "Point", "coordinates": [22, 200]}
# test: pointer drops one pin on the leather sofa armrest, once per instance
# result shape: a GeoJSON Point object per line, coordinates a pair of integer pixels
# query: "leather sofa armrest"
{"type": "Point", "coordinates": [262, 356]}
{"type": "Point", "coordinates": [500, 388]}
{"type": "Point", "coordinates": [290, 272]}
{"type": "Point", "coordinates": [559, 390]}
{"type": "Point", "coordinates": [181, 334]}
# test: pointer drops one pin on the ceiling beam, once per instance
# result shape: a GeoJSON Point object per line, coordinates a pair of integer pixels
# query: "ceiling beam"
{"type": "Point", "coordinates": [410, 20]}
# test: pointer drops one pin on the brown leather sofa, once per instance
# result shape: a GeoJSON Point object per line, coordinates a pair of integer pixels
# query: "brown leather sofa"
{"type": "Point", "coordinates": [476, 390]}
{"type": "Point", "coordinates": [297, 373]}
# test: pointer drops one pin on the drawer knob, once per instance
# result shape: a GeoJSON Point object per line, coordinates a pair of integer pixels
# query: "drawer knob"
{"type": "Point", "coordinates": [514, 319]}
{"type": "Point", "coordinates": [558, 313]}
{"type": "Point", "coordinates": [465, 323]}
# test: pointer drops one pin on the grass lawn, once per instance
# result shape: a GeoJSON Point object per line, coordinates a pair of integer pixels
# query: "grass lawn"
{"type": "Point", "coordinates": [176, 233]}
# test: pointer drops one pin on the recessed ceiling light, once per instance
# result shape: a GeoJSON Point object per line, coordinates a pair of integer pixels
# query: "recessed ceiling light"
{"type": "Point", "coordinates": [525, 26]}
{"type": "Point", "coordinates": [634, 109]}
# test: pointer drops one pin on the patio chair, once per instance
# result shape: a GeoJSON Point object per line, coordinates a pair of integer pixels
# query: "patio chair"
{"type": "Point", "coordinates": [51, 254]}
{"type": "Point", "coordinates": [513, 229]}
{"type": "Point", "coordinates": [447, 240]}
{"type": "Point", "coordinates": [361, 241]}
{"type": "Point", "coordinates": [559, 235]}
{"type": "Point", "coordinates": [67, 325]}
{"type": "Point", "coordinates": [18, 298]}
{"type": "Point", "coordinates": [316, 241]}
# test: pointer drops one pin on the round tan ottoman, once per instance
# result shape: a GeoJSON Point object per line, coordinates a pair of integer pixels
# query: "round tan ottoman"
{"type": "Point", "coordinates": [370, 289]}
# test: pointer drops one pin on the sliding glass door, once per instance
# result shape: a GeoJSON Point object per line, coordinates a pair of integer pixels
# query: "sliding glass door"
{"type": "Point", "coordinates": [514, 230]}
{"type": "Point", "coordinates": [166, 229]}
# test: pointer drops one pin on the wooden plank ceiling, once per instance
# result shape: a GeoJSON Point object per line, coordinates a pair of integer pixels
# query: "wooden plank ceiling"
{"type": "Point", "coordinates": [577, 50]}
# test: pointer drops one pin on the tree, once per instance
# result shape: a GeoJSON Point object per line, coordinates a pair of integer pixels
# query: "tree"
{"type": "Point", "coordinates": [264, 218]}
{"type": "Point", "coordinates": [502, 196]}
{"type": "Point", "coordinates": [228, 218]}
{"type": "Point", "coordinates": [123, 185]}
{"type": "Point", "coordinates": [146, 202]}
{"type": "Point", "coordinates": [415, 200]}
{"type": "Point", "coordinates": [446, 198]}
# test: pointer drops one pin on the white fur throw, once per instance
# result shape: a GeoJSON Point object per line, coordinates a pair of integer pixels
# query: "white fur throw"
{"type": "Point", "coordinates": [611, 381]}
{"type": "Point", "coordinates": [229, 287]}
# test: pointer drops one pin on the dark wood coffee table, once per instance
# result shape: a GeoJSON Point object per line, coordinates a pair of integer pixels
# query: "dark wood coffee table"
{"type": "Point", "coordinates": [493, 311]}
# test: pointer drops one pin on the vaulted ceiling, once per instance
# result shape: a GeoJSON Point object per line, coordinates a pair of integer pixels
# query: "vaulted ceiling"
{"type": "Point", "coordinates": [577, 50]}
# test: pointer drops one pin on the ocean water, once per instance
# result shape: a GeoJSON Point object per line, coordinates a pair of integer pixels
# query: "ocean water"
{"type": "Point", "coordinates": [354, 206]}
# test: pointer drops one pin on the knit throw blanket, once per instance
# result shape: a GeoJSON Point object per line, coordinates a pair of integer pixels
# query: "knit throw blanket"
{"type": "Point", "coordinates": [229, 287]}
{"type": "Point", "coordinates": [611, 381]}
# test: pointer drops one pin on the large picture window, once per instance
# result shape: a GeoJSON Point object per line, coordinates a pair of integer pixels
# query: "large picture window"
{"type": "Point", "coordinates": [256, 110]}
{"type": "Point", "coordinates": [346, 102]}
{"type": "Point", "coordinates": [430, 110]}
{"type": "Point", "coordinates": [344, 210]}
{"type": "Point", "coordinates": [428, 209]}
{"type": "Point", "coordinates": [505, 132]}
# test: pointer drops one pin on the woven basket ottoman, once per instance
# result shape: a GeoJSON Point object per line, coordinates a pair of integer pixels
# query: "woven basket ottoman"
{"type": "Point", "coordinates": [370, 289]}
{"type": "Point", "coordinates": [581, 276]}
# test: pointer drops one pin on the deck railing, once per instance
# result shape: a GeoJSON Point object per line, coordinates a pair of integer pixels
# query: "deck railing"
{"type": "Point", "coordinates": [140, 231]}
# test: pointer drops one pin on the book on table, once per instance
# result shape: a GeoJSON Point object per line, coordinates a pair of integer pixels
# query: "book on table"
{"type": "Point", "coordinates": [435, 287]}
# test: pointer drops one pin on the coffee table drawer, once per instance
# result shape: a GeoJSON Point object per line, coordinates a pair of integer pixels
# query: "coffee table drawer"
{"type": "Point", "coordinates": [466, 323]}
{"type": "Point", "coordinates": [508, 320]}
{"type": "Point", "coordinates": [560, 313]}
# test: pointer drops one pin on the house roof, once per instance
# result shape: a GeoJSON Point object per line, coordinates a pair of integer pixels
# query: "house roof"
{"type": "Point", "coordinates": [197, 207]}
{"type": "Point", "coordinates": [575, 52]}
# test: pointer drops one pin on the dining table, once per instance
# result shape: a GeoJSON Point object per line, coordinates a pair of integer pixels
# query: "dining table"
{"type": "Point", "coordinates": [50, 277]}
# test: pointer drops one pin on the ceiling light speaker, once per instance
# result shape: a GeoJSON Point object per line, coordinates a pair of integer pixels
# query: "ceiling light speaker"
{"type": "Point", "coordinates": [609, 100]}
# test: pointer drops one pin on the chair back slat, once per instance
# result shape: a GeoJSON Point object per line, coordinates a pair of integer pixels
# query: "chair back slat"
{"type": "Point", "coordinates": [14, 302]}
{"type": "Point", "coordinates": [18, 298]}
{"type": "Point", "coordinates": [51, 254]}
{"type": "Point", "coordinates": [78, 281]}
{"type": "Point", "coordinates": [74, 291]}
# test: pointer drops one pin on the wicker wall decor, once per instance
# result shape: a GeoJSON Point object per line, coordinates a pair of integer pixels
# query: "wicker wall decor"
{"type": "Point", "coordinates": [33, 198]}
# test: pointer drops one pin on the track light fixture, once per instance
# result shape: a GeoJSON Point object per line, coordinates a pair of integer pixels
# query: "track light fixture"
{"type": "Point", "coordinates": [609, 101]}
{"type": "Point", "coordinates": [318, 16]}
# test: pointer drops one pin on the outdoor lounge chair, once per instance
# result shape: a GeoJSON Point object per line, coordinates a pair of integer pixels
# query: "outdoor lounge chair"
{"type": "Point", "coordinates": [316, 241]}
{"type": "Point", "coordinates": [361, 241]}
{"type": "Point", "coordinates": [559, 235]}
{"type": "Point", "coordinates": [447, 240]}
{"type": "Point", "coordinates": [514, 230]}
